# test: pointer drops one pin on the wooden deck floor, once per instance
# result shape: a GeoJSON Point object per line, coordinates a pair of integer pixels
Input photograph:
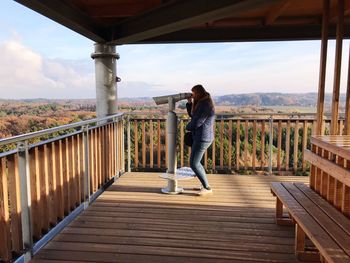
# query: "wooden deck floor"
{"type": "Point", "coordinates": [133, 222]}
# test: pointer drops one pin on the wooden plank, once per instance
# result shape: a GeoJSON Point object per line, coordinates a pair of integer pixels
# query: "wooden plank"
{"type": "Point", "coordinates": [305, 133]}
{"type": "Point", "coordinates": [52, 196]}
{"type": "Point", "coordinates": [296, 144]}
{"type": "Point", "coordinates": [230, 144]}
{"type": "Point", "coordinates": [323, 64]}
{"type": "Point", "coordinates": [65, 164]}
{"type": "Point", "coordinates": [279, 145]}
{"type": "Point", "coordinates": [287, 144]}
{"type": "Point", "coordinates": [333, 213]}
{"type": "Point", "coordinates": [99, 151]}
{"type": "Point", "coordinates": [329, 167]}
{"type": "Point", "coordinates": [15, 203]}
{"type": "Point", "coordinates": [254, 145]}
{"type": "Point", "coordinates": [222, 125]}
{"type": "Point", "coordinates": [136, 144]}
{"type": "Point", "coordinates": [159, 144]}
{"type": "Point", "coordinates": [72, 173]}
{"type": "Point", "coordinates": [91, 159]}
{"type": "Point", "coordinates": [312, 229]}
{"type": "Point", "coordinates": [181, 143]}
{"type": "Point", "coordinates": [37, 202]}
{"type": "Point", "coordinates": [151, 144]}
{"type": "Point", "coordinates": [333, 147]}
{"type": "Point", "coordinates": [340, 127]}
{"type": "Point", "coordinates": [262, 158]}
{"type": "Point", "coordinates": [345, 207]}
{"type": "Point", "coordinates": [246, 136]}
{"type": "Point", "coordinates": [338, 191]}
{"type": "Point", "coordinates": [238, 144]}
{"type": "Point", "coordinates": [5, 235]}
{"type": "Point", "coordinates": [143, 136]}
{"type": "Point", "coordinates": [326, 222]}
{"type": "Point", "coordinates": [276, 11]}
{"type": "Point", "coordinates": [319, 172]}
{"type": "Point", "coordinates": [44, 186]}
{"type": "Point", "coordinates": [59, 180]}
{"type": "Point", "coordinates": [337, 68]}
{"type": "Point", "coordinates": [324, 177]}
{"type": "Point", "coordinates": [312, 180]}
{"type": "Point", "coordinates": [80, 168]}
{"type": "Point", "coordinates": [299, 239]}
{"type": "Point", "coordinates": [347, 101]}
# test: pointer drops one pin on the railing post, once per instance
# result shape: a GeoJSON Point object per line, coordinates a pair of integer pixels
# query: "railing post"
{"type": "Point", "coordinates": [129, 145]}
{"type": "Point", "coordinates": [116, 143]}
{"type": "Point", "coordinates": [123, 146]}
{"type": "Point", "coordinates": [87, 165]}
{"type": "Point", "coordinates": [270, 144]}
{"type": "Point", "coordinates": [24, 174]}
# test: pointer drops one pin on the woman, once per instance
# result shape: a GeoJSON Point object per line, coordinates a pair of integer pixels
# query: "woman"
{"type": "Point", "coordinates": [202, 111]}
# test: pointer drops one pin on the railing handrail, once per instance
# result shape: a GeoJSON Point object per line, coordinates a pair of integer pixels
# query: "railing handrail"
{"type": "Point", "coordinates": [32, 135]}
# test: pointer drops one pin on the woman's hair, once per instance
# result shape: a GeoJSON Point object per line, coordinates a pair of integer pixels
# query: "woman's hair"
{"type": "Point", "coordinates": [202, 94]}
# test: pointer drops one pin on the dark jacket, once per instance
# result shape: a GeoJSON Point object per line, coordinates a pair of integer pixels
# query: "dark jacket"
{"type": "Point", "coordinates": [202, 121]}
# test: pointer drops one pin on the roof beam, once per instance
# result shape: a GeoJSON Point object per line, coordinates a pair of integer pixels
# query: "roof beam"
{"type": "Point", "coordinates": [179, 15]}
{"type": "Point", "coordinates": [120, 10]}
{"type": "Point", "coordinates": [276, 11]}
{"type": "Point", "coordinates": [64, 14]}
{"type": "Point", "coordinates": [276, 33]}
{"type": "Point", "coordinates": [334, 11]}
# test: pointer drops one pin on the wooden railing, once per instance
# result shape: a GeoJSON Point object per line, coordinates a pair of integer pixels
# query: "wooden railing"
{"type": "Point", "coordinates": [330, 176]}
{"type": "Point", "coordinates": [42, 183]}
{"type": "Point", "coordinates": [263, 142]}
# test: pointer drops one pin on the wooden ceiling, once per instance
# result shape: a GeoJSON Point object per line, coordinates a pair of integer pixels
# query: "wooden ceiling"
{"type": "Point", "coordinates": [181, 21]}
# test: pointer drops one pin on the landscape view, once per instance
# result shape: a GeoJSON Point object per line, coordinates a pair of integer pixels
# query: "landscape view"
{"type": "Point", "coordinates": [30, 115]}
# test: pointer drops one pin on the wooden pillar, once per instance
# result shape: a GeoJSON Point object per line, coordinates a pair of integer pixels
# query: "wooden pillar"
{"type": "Point", "coordinates": [323, 64]}
{"type": "Point", "coordinates": [347, 104]}
{"type": "Point", "coordinates": [337, 67]}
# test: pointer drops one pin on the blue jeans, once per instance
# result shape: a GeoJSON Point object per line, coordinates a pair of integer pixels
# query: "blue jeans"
{"type": "Point", "coordinates": [197, 152]}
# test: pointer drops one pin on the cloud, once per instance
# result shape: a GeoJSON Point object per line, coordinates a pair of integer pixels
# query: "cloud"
{"type": "Point", "coordinates": [27, 74]}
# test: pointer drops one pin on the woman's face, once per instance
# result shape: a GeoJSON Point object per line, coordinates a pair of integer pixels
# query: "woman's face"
{"type": "Point", "coordinates": [194, 95]}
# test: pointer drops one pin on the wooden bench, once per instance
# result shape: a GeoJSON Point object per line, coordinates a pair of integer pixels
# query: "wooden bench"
{"type": "Point", "coordinates": [314, 217]}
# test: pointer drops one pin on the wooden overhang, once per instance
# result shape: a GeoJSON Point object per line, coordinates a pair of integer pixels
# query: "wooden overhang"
{"type": "Point", "coordinates": [183, 21]}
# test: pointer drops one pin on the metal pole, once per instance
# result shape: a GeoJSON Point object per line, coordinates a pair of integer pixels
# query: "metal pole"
{"type": "Point", "coordinates": [172, 187]}
{"type": "Point", "coordinates": [24, 174]}
{"type": "Point", "coordinates": [87, 165]}
{"type": "Point", "coordinates": [129, 146]}
{"type": "Point", "coordinates": [105, 57]}
{"type": "Point", "coordinates": [270, 144]}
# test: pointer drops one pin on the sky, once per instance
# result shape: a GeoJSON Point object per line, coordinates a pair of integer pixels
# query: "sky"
{"type": "Point", "coordinates": [42, 59]}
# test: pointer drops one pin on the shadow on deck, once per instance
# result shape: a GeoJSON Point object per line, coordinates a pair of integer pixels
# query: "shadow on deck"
{"type": "Point", "coordinates": [133, 222]}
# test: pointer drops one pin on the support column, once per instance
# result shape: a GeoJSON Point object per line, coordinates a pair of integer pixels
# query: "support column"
{"type": "Point", "coordinates": [323, 63]}
{"type": "Point", "coordinates": [337, 68]}
{"type": "Point", "coordinates": [347, 104]}
{"type": "Point", "coordinates": [105, 70]}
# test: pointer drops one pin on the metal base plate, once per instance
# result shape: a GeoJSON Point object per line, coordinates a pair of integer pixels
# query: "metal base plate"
{"type": "Point", "coordinates": [178, 190]}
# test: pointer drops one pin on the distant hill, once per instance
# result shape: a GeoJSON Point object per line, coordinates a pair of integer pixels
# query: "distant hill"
{"type": "Point", "coordinates": [274, 99]}
{"type": "Point", "coordinates": [247, 99]}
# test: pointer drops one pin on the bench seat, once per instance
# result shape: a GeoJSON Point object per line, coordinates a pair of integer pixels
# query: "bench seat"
{"type": "Point", "coordinates": [323, 224]}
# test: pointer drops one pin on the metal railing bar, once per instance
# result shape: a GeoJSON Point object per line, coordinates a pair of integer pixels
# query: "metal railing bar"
{"type": "Point", "coordinates": [29, 136]}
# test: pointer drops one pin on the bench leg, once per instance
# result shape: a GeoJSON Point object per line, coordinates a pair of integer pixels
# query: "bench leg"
{"type": "Point", "coordinates": [300, 247]}
{"type": "Point", "coordinates": [280, 220]}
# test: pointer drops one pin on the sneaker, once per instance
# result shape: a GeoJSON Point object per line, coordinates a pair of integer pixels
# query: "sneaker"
{"type": "Point", "coordinates": [205, 191]}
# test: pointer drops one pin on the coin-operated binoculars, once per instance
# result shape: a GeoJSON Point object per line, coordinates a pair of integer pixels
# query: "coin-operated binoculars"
{"type": "Point", "coordinates": [171, 124]}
